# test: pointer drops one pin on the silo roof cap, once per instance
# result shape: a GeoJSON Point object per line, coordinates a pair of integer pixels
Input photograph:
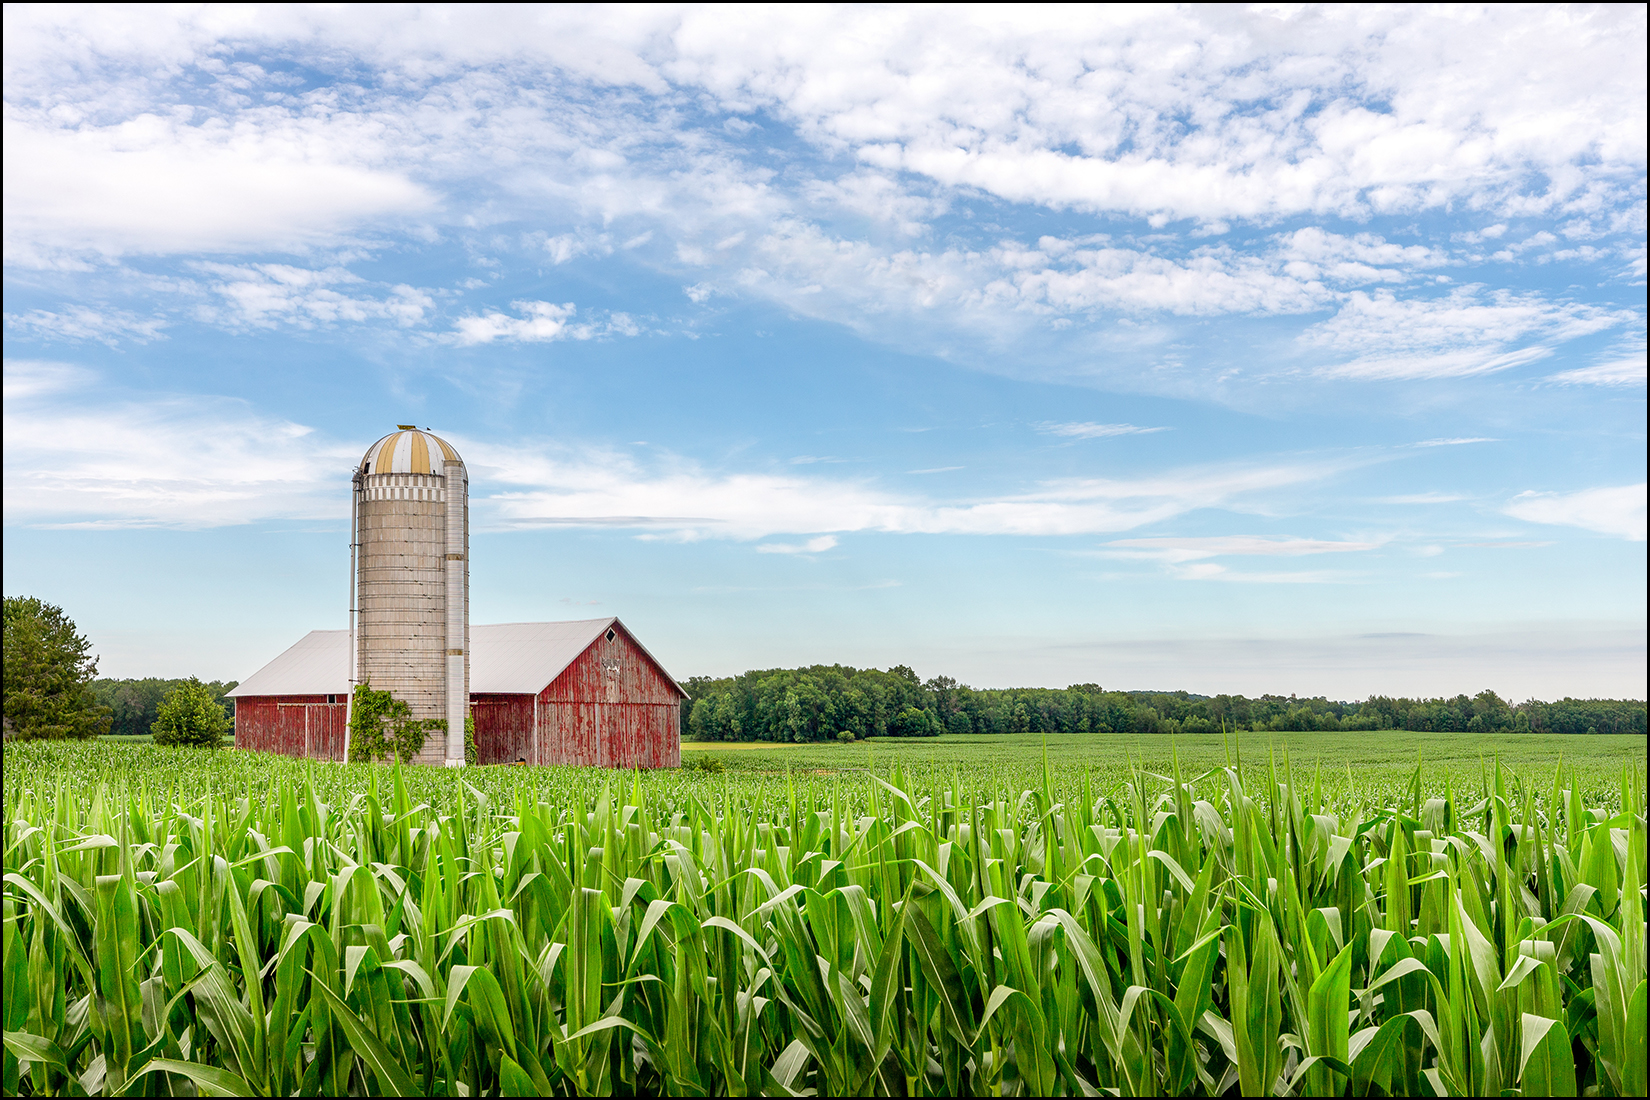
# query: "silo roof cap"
{"type": "Point", "coordinates": [410, 451]}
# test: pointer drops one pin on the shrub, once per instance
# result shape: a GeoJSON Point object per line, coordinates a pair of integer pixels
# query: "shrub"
{"type": "Point", "coordinates": [190, 717]}
{"type": "Point", "coordinates": [704, 762]}
{"type": "Point", "coordinates": [845, 736]}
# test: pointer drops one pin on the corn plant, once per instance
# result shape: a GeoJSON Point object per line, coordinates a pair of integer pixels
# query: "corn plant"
{"type": "Point", "coordinates": [325, 930]}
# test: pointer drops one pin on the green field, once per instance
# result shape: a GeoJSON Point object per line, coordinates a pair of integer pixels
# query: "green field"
{"type": "Point", "coordinates": [1378, 762]}
{"type": "Point", "coordinates": [1371, 914]}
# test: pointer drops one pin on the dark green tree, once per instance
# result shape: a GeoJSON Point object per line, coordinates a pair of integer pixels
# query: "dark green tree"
{"type": "Point", "coordinates": [48, 674]}
{"type": "Point", "coordinates": [190, 717]}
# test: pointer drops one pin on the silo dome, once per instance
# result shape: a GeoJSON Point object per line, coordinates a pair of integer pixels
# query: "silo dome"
{"type": "Point", "coordinates": [410, 451]}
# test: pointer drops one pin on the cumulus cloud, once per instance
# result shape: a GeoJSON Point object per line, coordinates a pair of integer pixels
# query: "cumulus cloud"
{"type": "Point", "coordinates": [1211, 280]}
{"type": "Point", "coordinates": [266, 295]}
{"type": "Point", "coordinates": [538, 322]}
{"type": "Point", "coordinates": [1188, 113]}
{"type": "Point", "coordinates": [851, 164]}
{"type": "Point", "coordinates": [1612, 510]}
{"type": "Point", "coordinates": [156, 183]}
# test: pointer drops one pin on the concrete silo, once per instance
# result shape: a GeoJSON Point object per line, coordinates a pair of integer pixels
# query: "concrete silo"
{"type": "Point", "coordinates": [410, 581]}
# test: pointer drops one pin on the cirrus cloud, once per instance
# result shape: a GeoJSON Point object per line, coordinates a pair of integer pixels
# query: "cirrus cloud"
{"type": "Point", "coordinates": [1610, 510]}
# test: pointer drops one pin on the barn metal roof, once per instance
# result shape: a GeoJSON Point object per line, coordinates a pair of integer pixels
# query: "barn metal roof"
{"type": "Point", "coordinates": [317, 665]}
{"type": "Point", "coordinates": [505, 659]}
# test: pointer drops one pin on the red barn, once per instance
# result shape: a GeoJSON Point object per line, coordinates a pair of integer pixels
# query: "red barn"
{"type": "Point", "coordinates": [584, 693]}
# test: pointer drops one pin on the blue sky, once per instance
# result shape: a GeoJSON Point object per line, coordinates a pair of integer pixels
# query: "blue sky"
{"type": "Point", "coordinates": [1270, 349]}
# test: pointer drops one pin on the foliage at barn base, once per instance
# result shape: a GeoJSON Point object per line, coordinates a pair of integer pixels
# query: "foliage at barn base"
{"type": "Point", "coordinates": [561, 936]}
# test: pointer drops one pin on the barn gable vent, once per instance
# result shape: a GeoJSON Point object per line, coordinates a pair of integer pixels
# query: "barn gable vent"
{"type": "Point", "coordinates": [610, 635]}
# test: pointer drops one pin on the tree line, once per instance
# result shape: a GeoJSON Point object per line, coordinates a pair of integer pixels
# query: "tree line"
{"type": "Point", "coordinates": [134, 705]}
{"type": "Point", "coordinates": [837, 702]}
{"type": "Point", "coordinates": [52, 691]}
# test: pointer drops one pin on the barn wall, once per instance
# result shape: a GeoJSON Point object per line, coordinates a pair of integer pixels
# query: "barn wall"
{"type": "Point", "coordinates": [504, 728]}
{"type": "Point", "coordinates": [294, 725]}
{"type": "Point", "coordinates": [610, 735]}
{"type": "Point", "coordinates": [611, 708]}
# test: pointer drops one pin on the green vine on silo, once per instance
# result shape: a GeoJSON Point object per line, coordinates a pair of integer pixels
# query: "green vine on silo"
{"type": "Point", "coordinates": [380, 724]}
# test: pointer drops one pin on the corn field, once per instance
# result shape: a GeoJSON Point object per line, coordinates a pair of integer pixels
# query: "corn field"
{"type": "Point", "coordinates": [1231, 931]}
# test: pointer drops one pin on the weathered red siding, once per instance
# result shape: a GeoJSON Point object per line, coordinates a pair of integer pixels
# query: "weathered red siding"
{"type": "Point", "coordinates": [504, 728]}
{"type": "Point", "coordinates": [295, 725]}
{"type": "Point", "coordinates": [611, 708]}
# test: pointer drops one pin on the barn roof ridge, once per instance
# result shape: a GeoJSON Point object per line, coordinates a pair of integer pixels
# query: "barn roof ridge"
{"type": "Point", "coordinates": [505, 659]}
{"type": "Point", "coordinates": [649, 655]}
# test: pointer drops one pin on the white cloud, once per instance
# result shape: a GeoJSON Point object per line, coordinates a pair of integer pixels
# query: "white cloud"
{"type": "Point", "coordinates": [265, 295]}
{"type": "Point", "coordinates": [1316, 253]}
{"type": "Point", "coordinates": [1178, 550]}
{"type": "Point", "coordinates": [1210, 571]}
{"type": "Point", "coordinates": [812, 546]}
{"type": "Point", "coordinates": [1456, 441]}
{"type": "Point", "coordinates": [77, 452]}
{"type": "Point", "coordinates": [1465, 332]}
{"type": "Point", "coordinates": [159, 183]}
{"type": "Point", "coordinates": [570, 246]}
{"type": "Point", "coordinates": [1212, 280]}
{"type": "Point", "coordinates": [26, 378]}
{"type": "Point", "coordinates": [1628, 371]}
{"type": "Point", "coordinates": [540, 322]}
{"type": "Point", "coordinates": [1200, 113]}
{"type": "Point", "coordinates": [188, 131]}
{"type": "Point", "coordinates": [1085, 430]}
{"type": "Point", "coordinates": [1423, 498]}
{"type": "Point", "coordinates": [1614, 510]}
{"type": "Point", "coordinates": [684, 500]}
{"type": "Point", "coordinates": [74, 456]}
{"type": "Point", "coordinates": [80, 323]}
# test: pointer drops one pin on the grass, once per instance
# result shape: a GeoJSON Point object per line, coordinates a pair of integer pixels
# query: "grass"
{"type": "Point", "coordinates": [938, 917]}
